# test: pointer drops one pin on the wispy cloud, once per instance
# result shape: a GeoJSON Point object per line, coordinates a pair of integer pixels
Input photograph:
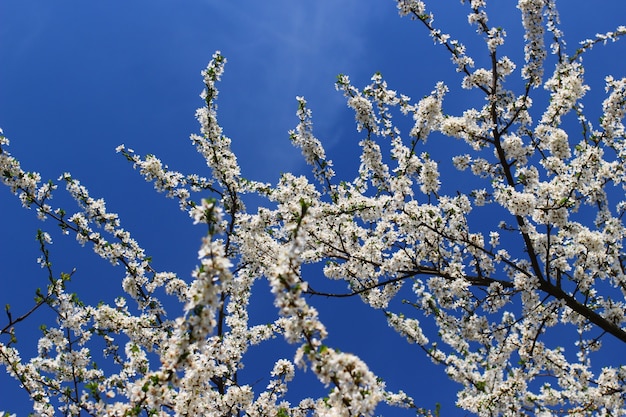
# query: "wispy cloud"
{"type": "Point", "coordinates": [277, 52]}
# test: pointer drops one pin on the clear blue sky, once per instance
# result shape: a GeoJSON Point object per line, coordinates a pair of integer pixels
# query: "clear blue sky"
{"type": "Point", "coordinates": [78, 78]}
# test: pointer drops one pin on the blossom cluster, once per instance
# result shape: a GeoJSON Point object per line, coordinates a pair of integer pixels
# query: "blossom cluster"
{"type": "Point", "coordinates": [529, 245]}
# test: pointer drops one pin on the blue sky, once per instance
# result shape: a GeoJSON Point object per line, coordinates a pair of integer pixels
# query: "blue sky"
{"type": "Point", "coordinates": [79, 78]}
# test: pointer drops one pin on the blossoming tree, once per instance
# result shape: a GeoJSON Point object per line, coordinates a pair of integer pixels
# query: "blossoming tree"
{"type": "Point", "coordinates": [531, 248]}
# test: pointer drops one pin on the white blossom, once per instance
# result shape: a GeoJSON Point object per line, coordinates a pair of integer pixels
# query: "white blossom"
{"type": "Point", "coordinates": [479, 269]}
